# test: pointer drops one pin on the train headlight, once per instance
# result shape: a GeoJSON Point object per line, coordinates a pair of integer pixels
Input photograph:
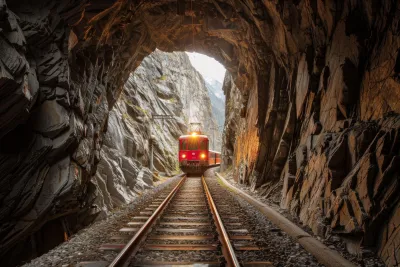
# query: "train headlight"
{"type": "Point", "coordinates": [183, 156]}
{"type": "Point", "coordinates": [203, 156]}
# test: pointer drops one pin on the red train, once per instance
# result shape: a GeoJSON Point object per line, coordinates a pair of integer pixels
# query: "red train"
{"type": "Point", "coordinates": [194, 155]}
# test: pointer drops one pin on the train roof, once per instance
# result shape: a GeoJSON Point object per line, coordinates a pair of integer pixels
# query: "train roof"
{"type": "Point", "coordinates": [189, 135]}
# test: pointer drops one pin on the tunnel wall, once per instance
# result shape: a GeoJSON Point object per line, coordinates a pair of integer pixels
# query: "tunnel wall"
{"type": "Point", "coordinates": [342, 172]}
{"type": "Point", "coordinates": [327, 126]}
{"type": "Point", "coordinates": [319, 85]}
{"type": "Point", "coordinates": [44, 124]}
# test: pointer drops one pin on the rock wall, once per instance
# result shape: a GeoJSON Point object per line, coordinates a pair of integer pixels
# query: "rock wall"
{"type": "Point", "coordinates": [342, 174]}
{"type": "Point", "coordinates": [233, 125]}
{"type": "Point", "coordinates": [49, 142]}
{"type": "Point", "coordinates": [179, 85]}
{"type": "Point", "coordinates": [312, 74]}
{"type": "Point", "coordinates": [218, 109]}
{"type": "Point", "coordinates": [327, 144]}
{"type": "Point", "coordinates": [56, 92]}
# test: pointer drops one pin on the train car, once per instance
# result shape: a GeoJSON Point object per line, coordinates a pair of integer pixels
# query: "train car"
{"type": "Point", "coordinates": [194, 156]}
{"type": "Point", "coordinates": [214, 157]}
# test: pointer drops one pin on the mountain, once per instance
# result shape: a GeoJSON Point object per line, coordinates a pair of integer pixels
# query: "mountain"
{"type": "Point", "coordinates": [215, 87]}
{"type": "Point", "coordinates": [217, 98]}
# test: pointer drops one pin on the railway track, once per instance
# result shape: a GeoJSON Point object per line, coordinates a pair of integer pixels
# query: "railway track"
{"type": "Point", "coordinates": [189, 225]}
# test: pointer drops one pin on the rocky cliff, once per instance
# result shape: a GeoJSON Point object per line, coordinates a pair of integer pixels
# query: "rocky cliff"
{"type": "Point", "coordinates": [233, 125]}
{"type": "Point", "coordinates": [163, 84]}
{"type": "Point", "coordinates": [218, 108]}
{"type": "Point", "coordinates": [176, 77]}
{"type": "Point", "coordinates": [319, 83]}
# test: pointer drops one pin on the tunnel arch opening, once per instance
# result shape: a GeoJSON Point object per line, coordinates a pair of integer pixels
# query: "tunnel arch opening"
{"type": "Point", "coordinates": [166, 94]}
{"type": "Point", "coordinates": [226, 34]}
{"type": "Point", "coordinates": [76, 56]}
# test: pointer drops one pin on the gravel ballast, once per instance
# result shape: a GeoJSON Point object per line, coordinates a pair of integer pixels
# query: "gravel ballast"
{"type": "Point", "coordinates": [84, 245]}
{"type": "Point", "coordinates": [278, 247]}
{"type": "Point", "coordinates": [368, 259]}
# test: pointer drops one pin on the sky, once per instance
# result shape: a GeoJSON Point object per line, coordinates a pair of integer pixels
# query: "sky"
{"type": "Point", "coordinates": [207, 66]}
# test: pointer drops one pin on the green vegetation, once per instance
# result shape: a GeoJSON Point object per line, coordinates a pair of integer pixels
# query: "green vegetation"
{"type": "Point", "coordinates": [145, 112]}
{"type": "Point", "coordinates": [126, 116]}
{"type": "Point", "coordinates": [126, 100]}
{"type": "Point", "coordinates": [229, 105]}
{"type": "Point", "coordinates": [173, 100]}
{"type": "Point", "coordinates": [177, 167]}
{"type": "Point", "coordinates": [227, 171]}
{"type": "Point", "coordinates": [223, 185]}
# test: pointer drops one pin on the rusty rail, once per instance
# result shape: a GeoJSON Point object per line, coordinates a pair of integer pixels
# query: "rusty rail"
{"type": "Point", "coordinates": [127, 253]}
{"type": "Point", "coordinates": [227, 248]}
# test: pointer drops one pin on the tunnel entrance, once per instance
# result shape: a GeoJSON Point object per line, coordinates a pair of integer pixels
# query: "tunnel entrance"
{"type": "Point", "coordinates": [160, 100]}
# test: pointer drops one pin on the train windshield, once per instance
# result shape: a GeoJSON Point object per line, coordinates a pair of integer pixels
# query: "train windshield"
{"type": "Point", "coordinates": [203, 145]}
{"type": "Point", "coordinates": [193, 144]}
{"type": "Point", "coordinates": [183, 144]}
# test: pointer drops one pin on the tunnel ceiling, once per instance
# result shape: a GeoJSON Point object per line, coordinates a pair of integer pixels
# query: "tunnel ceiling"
{"type": "Point", "coordinates": [307, 73]}
{"type": "Point", "coordinates": [231, 32]}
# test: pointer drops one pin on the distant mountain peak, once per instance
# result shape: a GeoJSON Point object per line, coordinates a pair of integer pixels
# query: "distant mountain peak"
{"type": "Point", "coordinates": [215, 87]}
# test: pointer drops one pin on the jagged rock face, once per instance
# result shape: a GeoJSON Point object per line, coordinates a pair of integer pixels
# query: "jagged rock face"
{"type": "Point", "coordinates": [120, 175]}
{"type": "Point", "coordinates": [181, 88]}
{"type": "Point", "coordinates": [330, 143]}
{"type": "Point", "coordinates": [233, 123]}
{"type": "Point", "coordinates": [167, 84]}
{"type": "Point", "coordinates": [217, 99]}
{"type": "Point", "coordinates": [317, 78]}
{"type": "Point", "coordinates": [163, 84]}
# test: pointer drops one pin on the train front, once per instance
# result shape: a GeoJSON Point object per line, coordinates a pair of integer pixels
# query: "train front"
{"type": "Point", "coordinates": [193, 153]}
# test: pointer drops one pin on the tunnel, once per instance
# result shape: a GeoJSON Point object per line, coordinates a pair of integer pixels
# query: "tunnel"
{"type": "Point", "coordinates": [314, 85]}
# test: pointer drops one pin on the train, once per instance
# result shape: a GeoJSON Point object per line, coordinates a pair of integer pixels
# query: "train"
{"type": "Point", "coordinates": [194, 155]}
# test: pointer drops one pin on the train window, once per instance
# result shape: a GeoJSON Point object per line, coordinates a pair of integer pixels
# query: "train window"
{"type": "Point", "coordinates": [193, 144]}
{"type": "Point", "coordinates": [183, 144]}
{"type": "Point", "coordinates": [203, 145]}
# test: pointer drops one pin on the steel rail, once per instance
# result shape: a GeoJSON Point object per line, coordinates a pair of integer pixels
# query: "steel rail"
{"type": "Point", "coordinates": [227, 248]}
{"type": "Point", "coordinates": [126, 254]}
